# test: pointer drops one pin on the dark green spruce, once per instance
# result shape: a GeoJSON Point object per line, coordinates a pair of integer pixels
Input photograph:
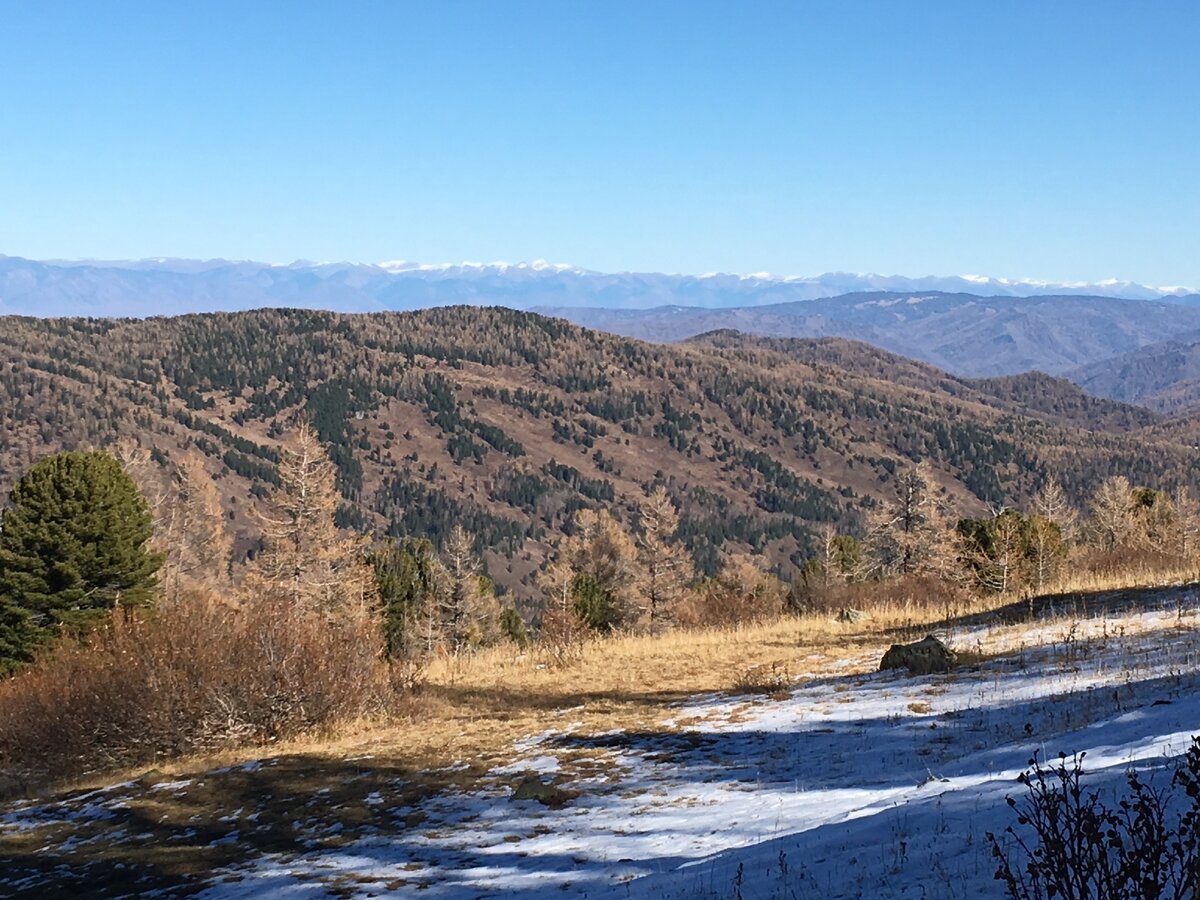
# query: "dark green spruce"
{"type": "Point", "coordinates": [72, 547]}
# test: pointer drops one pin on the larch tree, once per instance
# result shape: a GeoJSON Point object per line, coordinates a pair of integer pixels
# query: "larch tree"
{"type": "Point", "coordinates": [667, 568]}
{"type": "Point", "coordinates": [1154, 520]}
{"type": "Point", "coordinates": [1051, 503]}
{"type": "Point", "coordinates": [912, 534]}
{"type": "Point", "coordinates": [470, 608]}
{"type": "Point", "coordinates": [306, 560]}
{"type": "Point", "coordinates": [840, 557]}
{"type": "Point", "coordinates": [200, 549]}
{"type": "Point", "coordinates": [1187, 524]}
{"type": "Point", "coordinates": [742, 591]}
{"type": "Point", "coordinates": [1112, 513]}
{"type": "Point", "coordinates": [607, 571]}
{"type": "Point", "coordinates": [594, 574]}
{"type": "Point", "coordinates": [1047, 552]}
{"type": "Point", "coordinates": [996, 551]}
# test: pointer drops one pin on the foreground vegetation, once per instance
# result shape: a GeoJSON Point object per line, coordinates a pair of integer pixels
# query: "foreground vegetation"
{"type": "Point", "coordinates": [138, 648]}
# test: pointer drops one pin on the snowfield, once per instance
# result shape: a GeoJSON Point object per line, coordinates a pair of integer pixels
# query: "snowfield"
{"type": "Point", "coordinates": [862, 784]}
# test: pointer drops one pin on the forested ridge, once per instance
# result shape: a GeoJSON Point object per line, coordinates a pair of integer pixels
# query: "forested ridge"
{"type": "Point", "coordinates": [507, 423]}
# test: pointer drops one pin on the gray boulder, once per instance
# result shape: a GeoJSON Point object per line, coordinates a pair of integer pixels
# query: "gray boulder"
{"type": "Point", "coordinates": [925, 656]}
{"type": "Point", "coordinates": [11, 787]}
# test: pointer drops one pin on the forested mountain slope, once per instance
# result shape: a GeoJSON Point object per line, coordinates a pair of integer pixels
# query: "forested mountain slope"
{"type": "Point", "coordinates": [1163, 376]}
{"type": "Point", "coordinates": [508, 422]}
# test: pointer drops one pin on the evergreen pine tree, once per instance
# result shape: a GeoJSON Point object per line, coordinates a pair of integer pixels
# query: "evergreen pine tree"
{"type": "Point", "coordinates": [72, 546]}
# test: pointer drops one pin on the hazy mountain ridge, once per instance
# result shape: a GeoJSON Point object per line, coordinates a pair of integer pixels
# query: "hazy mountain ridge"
{"type": "Point", "coordinates": [961, 333]}
{"type": "Point", "coordinates": [1164, 376]}
{"type": "Point", "coordinates": [178, 286]}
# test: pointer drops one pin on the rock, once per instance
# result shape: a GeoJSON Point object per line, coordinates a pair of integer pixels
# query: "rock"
{"type": "Point", "coordinates": [533, 788]}
{"type": "Point", "coordinates": [851, 616]}
{"type": "Point", "coordinates": [11, 787]}
{"type": "Point", "coordinates": [151, 777]}
{"type": "Point", "coordinates": [925, 656]}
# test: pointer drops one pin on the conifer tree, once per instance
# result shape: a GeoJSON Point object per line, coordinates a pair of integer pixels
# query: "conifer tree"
{"type": "Point", "coordinates": [412, 582]}
{"type": "Point", "coordinates": [470, 610]}
{"type": "Point", "coordinates": [1047, 551]}
{"type": "Point", "coordinates": [72, 547]}
{"type": "Point", "coordinates": [18, 637]}
{"type": "Point", "coordinates": [1112, 508]}
{"type": "Point", "coordinates": [1187, 523]}
{"type": "Point", "coordinates": [1051, 504]}
{"type": "Point", "coordinates": [306, 559]}
{"type": "Point", "coordinates": [995, 549]}
{"type": "Point", "coordinates": [666, 565]}
{"type": "Point", "coordinates": [911, 535]}
{"type": "Point", "coordinates": [200, 547]}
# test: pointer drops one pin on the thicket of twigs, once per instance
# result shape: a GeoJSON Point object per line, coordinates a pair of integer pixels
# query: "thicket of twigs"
{"type": "Point", "coordinates": [1070, 844]}
{"type": "Point", "coordinates": [198, 676]}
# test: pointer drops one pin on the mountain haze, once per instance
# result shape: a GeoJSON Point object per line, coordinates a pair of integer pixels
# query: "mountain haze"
{"type": "Point", "coordinates": [944, 321]}
{"type": "Point", "coordinates": [1164, 376]}
{"type": "Point", "coordinates": [962, 333]}
{"type": "Point", "coordinates": [177, 286]}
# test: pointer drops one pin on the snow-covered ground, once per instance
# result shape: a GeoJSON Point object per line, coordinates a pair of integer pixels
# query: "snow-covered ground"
{"type": "Point", "coordinates": [854, 785]}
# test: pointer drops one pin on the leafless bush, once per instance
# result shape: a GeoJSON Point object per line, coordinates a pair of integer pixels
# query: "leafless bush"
{"type": "Point", "coordinates": [772, 679]}
{"type": "Point", "coordinates": [199, 675]}
{"type": "Point", "coordinates": [1146, 848]}
{"type": "Point", "coordinates": [563, 636]}
{"type": "Point", "coordinates": [741, 593]}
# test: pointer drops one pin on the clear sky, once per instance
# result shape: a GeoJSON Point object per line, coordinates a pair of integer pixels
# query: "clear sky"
{"type": "Point", "coordinates": [1046, 139]}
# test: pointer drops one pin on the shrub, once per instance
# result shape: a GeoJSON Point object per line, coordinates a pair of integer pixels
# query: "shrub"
{"type": "Point", "coordinates": [1146, 848]}
{"type": "Point", "coordinates": [200, 675]}
{"type": "Point", "coordinates": [563, 636]}
{"type": "Point", "coordinates": [741, 593]}
{"type": "Point", "coordinates": [513, 627]}
{"type": "Point", "coordinates": [772, 679]}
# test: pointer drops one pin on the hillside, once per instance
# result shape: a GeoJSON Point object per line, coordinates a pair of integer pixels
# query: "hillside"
{"type": "Point", "coordinates": [1164, 376]}
{"type": "Point", "coordinates": [508, 422]}
{"type": "Point", "coordinates": [962, 333]}
{"type": "Point", "coordinates": [668, 781]}
{"type": "Point", "coordinates": [1032, 394]}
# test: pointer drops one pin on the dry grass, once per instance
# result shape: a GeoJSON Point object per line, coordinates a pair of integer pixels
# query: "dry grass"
{"type": "Point", "coordinates": [463, 726]}
{"type": "Point", "coordinates": [473, 708]}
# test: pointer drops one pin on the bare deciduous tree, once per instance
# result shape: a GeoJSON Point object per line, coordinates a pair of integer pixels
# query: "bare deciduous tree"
{"type": "Point", "coordinates": [912, 534]}
{"type": "Point", "coordinates": [1112, 520]}
{"type": "Point", "coordinates": [666, 566]}
{"type": "Point", "coordinates": [1051, 504]}
{"type": "Point", "coordinates": [306, 558]}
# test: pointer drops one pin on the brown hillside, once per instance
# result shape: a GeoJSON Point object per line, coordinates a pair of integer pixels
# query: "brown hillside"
{"type": "Point", "coordinates": [508, 422]}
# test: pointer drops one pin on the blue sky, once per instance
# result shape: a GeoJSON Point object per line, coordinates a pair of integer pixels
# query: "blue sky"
{"type": "Point", "coordinates": [1044, 140]}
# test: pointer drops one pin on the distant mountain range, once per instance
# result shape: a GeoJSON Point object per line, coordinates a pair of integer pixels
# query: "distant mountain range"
{"type": "Point", "coordinates": [174, 286]}
{"type": "Point", "coordinates": [1118, 339]}
{"type": "Point", "coordinates": [1163, 376]}
{"type": "Point", "coordinates": [962, 333]}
